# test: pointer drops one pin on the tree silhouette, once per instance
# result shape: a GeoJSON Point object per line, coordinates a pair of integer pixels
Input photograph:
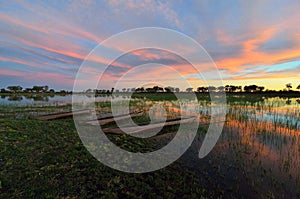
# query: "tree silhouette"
{"type": "Point", "coordinates": [38, 88]}
{"type": "Point", "coordinates": [46, 88]}
{"type": "Point", "coordinates": [231, 88]}
{"type": "Point", "coordinates": [239, 88]}
{"type": "Point", "coordinates": [169, 89]}
{"type": "Point", "coordinates": [28, 90]}
{"type": "Point", "coordinates": [189, 90]}
{"type": "Point", "coordinates": [260, 88]}
{"type": "Point", "coordinates": [15, 88]}
{"type": "Point", "coordinates": [298, 87]}
{"type": "Point", "coordinates": [221, 88]}
{"type": "Point", "coordinates": [289, 86]}
{"type": "Point", "coordinates": [251, 88]}
{"type": "Point", "coordinates": [140, 89]}
{"type": "Point", "coordinates": [158, 89]}
{"type": "Point", "coordinates": [149, 90]}
{"type": "Point", "coordinates": [202, 89]}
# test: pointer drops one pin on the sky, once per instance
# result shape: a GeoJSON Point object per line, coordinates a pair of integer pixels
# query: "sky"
{"type": "Point", "coordinates": [250, 42]}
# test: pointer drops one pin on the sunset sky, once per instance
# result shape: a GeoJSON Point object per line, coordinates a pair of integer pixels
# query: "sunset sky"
{"type": "Point", "coordinates": [251, 42]}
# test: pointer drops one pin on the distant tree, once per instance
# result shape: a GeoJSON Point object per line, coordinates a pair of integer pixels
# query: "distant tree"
{"type": "Point", "coordinates": [169, 89]}
{"type": "Point", "coordinates": [87, 91]}
{"type": "Point", "coordinates": [227, 88]}
{"type": "Point", "coordinates": [52, 90]}
{"type": "Point", "coordinates": [46, 88]}
{"type": "Point", "coordinates": [38, 88]}
{"type": "Point", "coordinates": [149, 90]}
{"type": "Point", "coordinates": [221, 88]}
{"type": "Point", "coordinates": [3, 90]}
{"type": "Point", "coordinates": [140, 89]}
{"type": "Point", "coordinates": [239, 88]}
{"type": "Point", "coordinates": [233, 88]}
{"type": "Point", "coordinates": [123, 89]}
{"type": "Point", "coordinates": [158, 89]}
{"type": "Point", "coordinates": [202, 89]}
{"type": "Point", "coordinates": [28, 90]}
{"type": "Point", "coordinates": [251, 88]}
{"type": "Point", "coordinates": [112, 90]}
{"type": "Point", "coordinates": [288, 86]}
{"type": "Point", "coordinates": [177, 90]}
{"type": "Point", "coordinates": [189, 90]}
{"type": "Point", "coordinates": [298, 87]}
{"type": "Point", "coordinates": [260, 88]}
{"type": "Point", "coordinates": [14, 89]}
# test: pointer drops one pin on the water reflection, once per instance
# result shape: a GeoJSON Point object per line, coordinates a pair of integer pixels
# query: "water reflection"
{"type": "Point", "coordinates": [15, 98]}
{"type": "Point", "coordinates": [52, 99]}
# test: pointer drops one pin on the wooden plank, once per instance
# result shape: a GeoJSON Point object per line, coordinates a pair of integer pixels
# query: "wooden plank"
{"type": "Point", "coordinates": [109, 118]}
{"type": "Point", "coordinates": [61, 115]}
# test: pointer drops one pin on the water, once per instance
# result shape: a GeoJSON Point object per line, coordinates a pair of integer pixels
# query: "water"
{"type": "Point", "coordinates": [55, 100]}
{"type": "Point", "coordinates": [258, 153]}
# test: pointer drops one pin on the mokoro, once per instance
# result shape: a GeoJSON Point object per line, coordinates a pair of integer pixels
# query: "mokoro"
{"type": "Point", "coordinates": [105, 119]}
{"type": "Point", "coordinates": [144, 127]}
{"type": "Point", "coordinates": [61, 115]}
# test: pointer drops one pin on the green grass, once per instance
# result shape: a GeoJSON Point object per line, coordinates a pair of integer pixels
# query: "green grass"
{"type": "Point", "coordinates": [46, 159]}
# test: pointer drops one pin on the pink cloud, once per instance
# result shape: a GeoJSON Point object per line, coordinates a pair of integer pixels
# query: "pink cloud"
{"type": "Point", "coordinates": [11, 73]}
{"type": "Point", "coordinates": [19, 61]}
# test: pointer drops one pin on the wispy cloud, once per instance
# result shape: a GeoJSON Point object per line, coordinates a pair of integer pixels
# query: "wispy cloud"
{"type": "Point", "coordinates": [52, 39]}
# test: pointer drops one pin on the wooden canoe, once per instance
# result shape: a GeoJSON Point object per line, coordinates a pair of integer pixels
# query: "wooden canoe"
{"type": "Point", "coordinates": [105, 119]}
{"type": "Point", "coordinates": [144, 128]}
{"type": "Point", "coordinates": [61, 115]}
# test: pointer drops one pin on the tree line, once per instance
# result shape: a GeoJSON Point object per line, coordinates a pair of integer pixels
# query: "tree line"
{"type": "Point", "coordinates": [205, 89]}
{"type": "Point", "coordinates": [34, 89]}
{"type": "Point", "coordinates": [154, 89]}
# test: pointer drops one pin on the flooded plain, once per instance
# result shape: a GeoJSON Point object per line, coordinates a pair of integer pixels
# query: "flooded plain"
{"type": "Point", "coordinates": [258, 153]}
